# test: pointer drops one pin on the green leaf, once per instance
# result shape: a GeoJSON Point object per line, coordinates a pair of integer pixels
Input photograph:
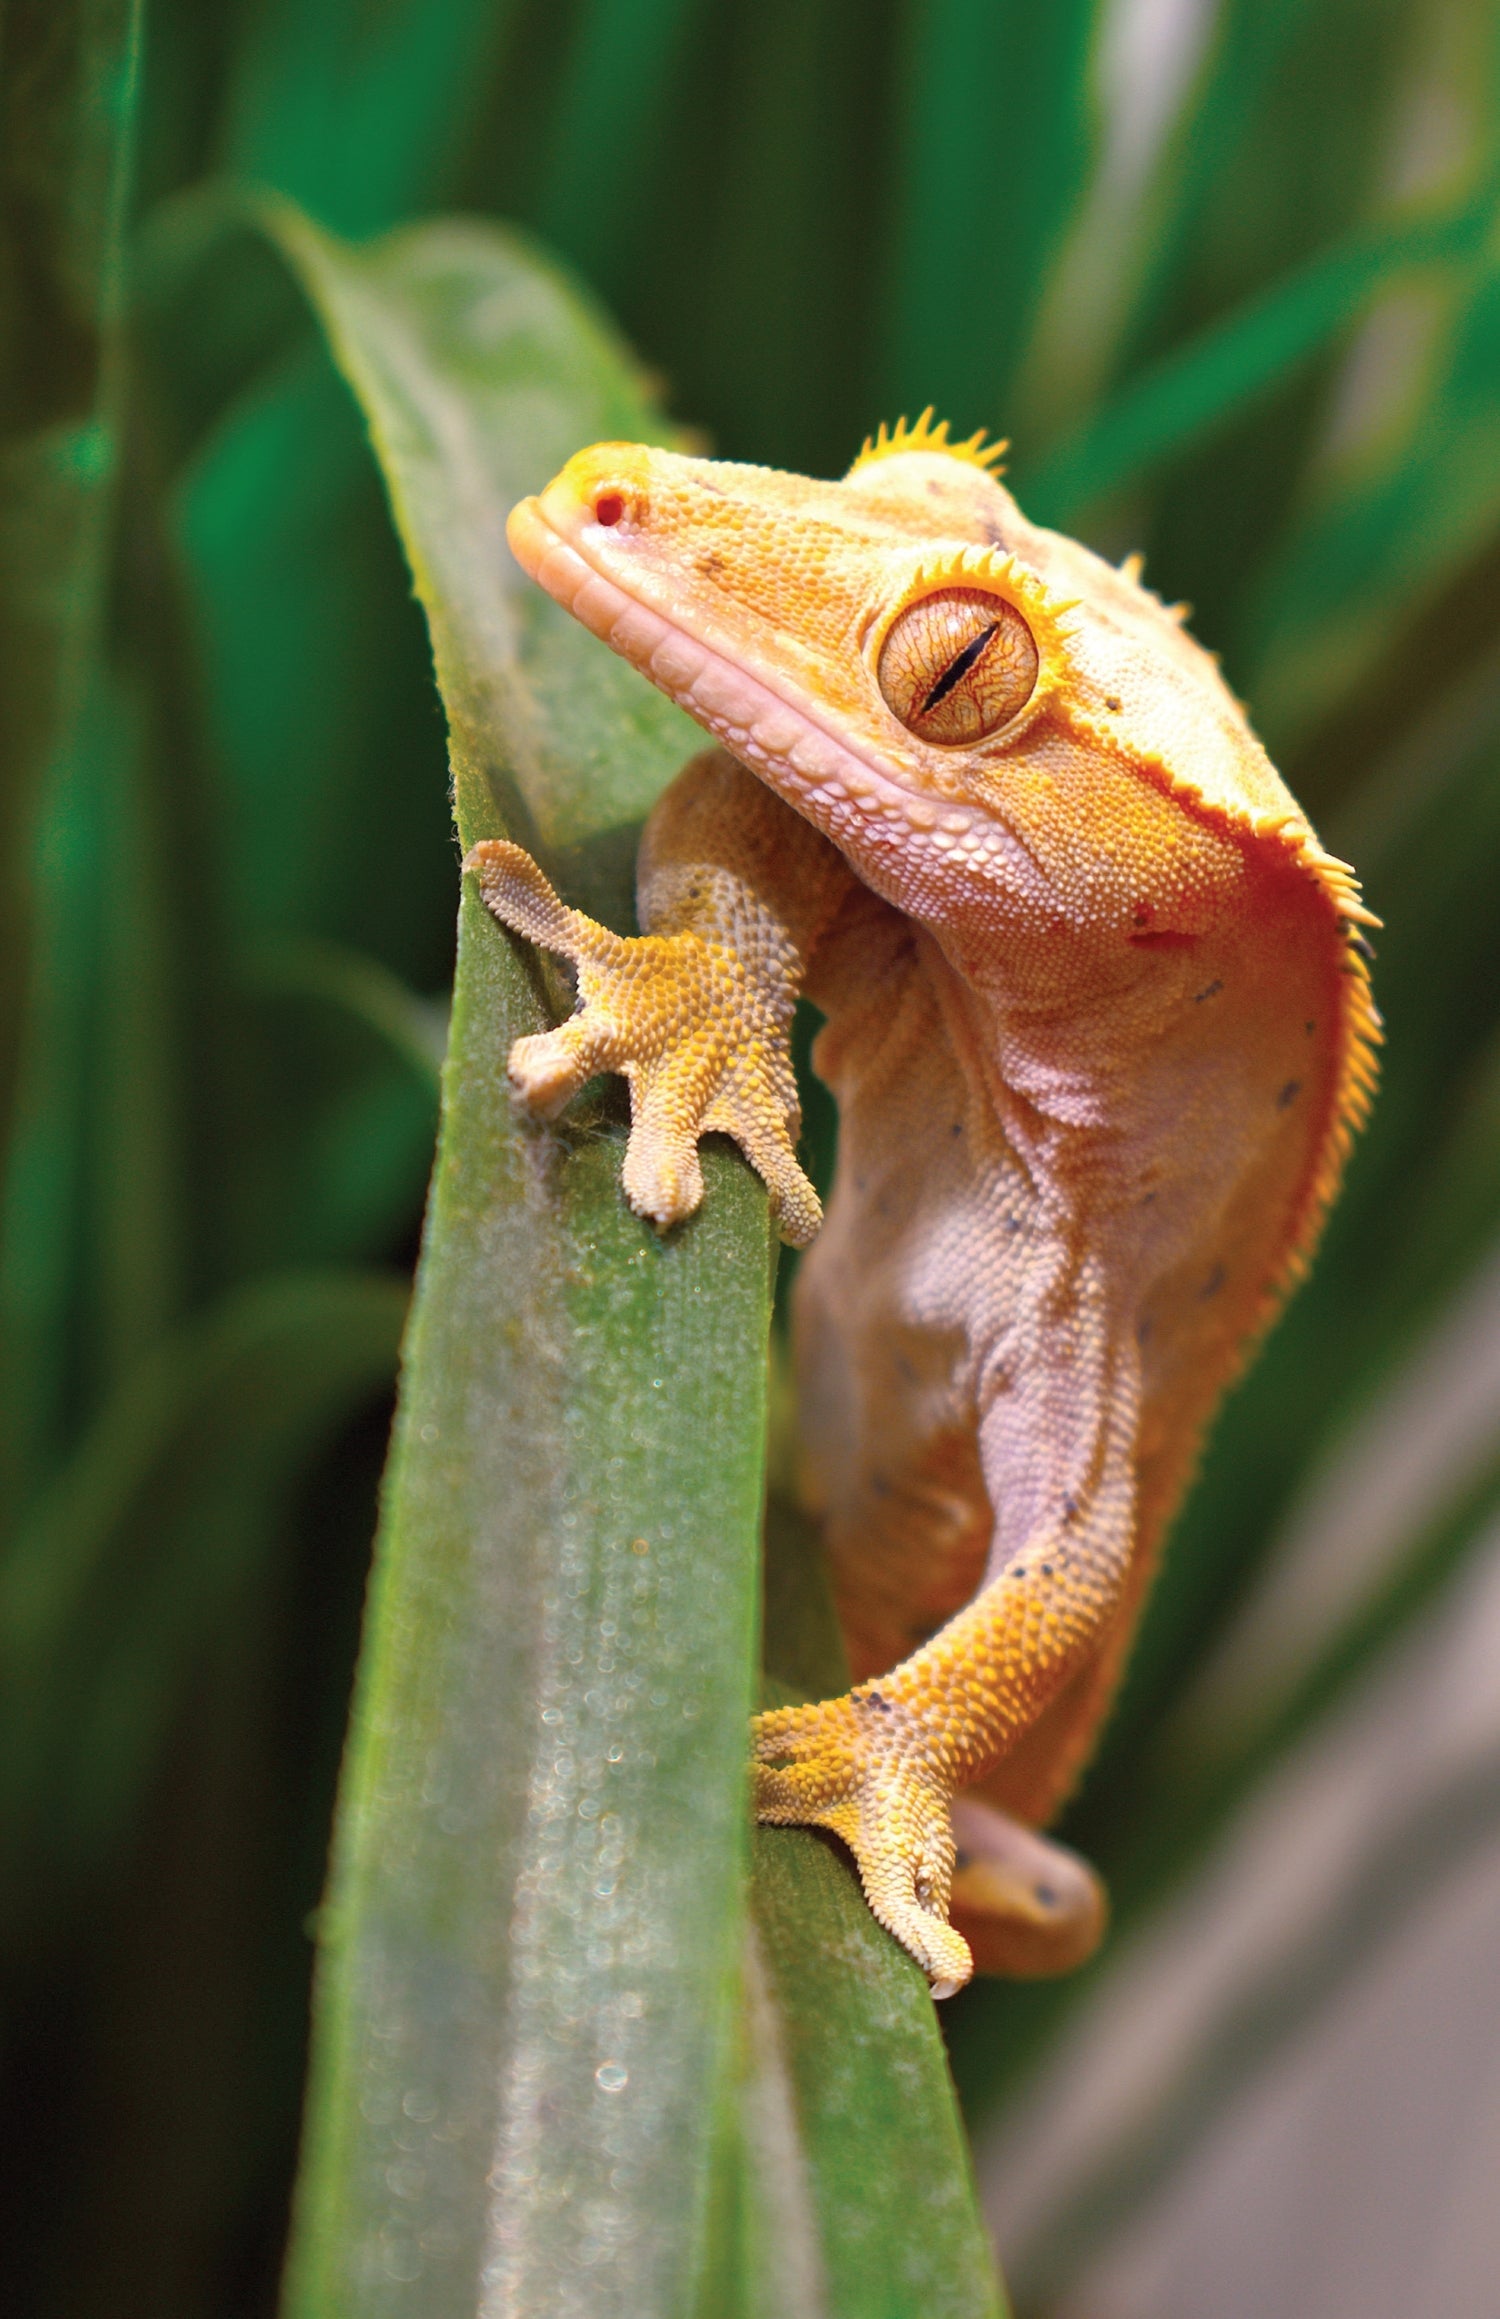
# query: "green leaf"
{"type": "Point", "coordinates": [161, 1516]}
{"type": "Point", "coordinates": [357, 111]}
{"type": "Point", "coordinates": [68, 87]}
{"type": "Point", "coordinates": [1381, 539]}
{"type": "Point", "coordinates": [980, 206]}
{"type": "Point", "coordinates": [865, 2058]}
{"type": "Point", "coordinates": [604, 122]}
{"type": "Point", "coordinates": [1227, 366]}
{"type": "Point", "coordinates": [414, 1029]}
{"type": "Point", "coordinates": [530, 2048]}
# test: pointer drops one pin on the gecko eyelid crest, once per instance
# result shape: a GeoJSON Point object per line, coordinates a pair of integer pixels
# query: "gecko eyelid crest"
{"type": "Point", "coordinates": [975, 645]}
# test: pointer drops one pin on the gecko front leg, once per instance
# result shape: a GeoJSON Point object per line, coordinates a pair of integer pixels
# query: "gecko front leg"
{"type": "Point", "coordinates": [733, 891]}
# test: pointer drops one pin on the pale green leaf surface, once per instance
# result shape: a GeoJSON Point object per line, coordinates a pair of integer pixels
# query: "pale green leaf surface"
{"type": "Point", "coordinates": [527, 2014]}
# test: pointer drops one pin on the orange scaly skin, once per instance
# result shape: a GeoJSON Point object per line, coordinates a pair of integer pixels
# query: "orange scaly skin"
{"type": "Point", "coordinates": [1100, 1029]}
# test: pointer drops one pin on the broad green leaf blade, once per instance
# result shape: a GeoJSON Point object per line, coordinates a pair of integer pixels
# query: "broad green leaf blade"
{"type": "Point", "coordinates": [529, 2038]}
{"type": "Point", "coordinates": [534, 1929]}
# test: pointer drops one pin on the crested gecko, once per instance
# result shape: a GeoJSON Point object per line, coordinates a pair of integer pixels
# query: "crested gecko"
{"type": "Point", "coordinates": [1099, 1025]}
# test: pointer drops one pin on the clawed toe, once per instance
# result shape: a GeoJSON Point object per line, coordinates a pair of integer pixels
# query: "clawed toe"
{"type": "Point", "coordinates": [819, 1767]}
{"type": "Point", "coordinates": [665, 1191]}
{"type": "Point", "coordinates": [544, 1072]}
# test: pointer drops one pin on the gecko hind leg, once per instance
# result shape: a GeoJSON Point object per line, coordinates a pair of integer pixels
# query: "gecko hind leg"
{"type": "Point", "coordinates": [836, 1765]}
{"type": "Point", "coordinates": [964, 1887]}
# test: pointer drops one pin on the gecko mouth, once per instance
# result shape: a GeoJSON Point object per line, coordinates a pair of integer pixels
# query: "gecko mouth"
{"type": "Point", "coordinates": [754, 721]}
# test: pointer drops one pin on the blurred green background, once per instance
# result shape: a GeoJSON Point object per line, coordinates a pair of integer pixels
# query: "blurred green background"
{"type": "Point", "coordinates": [1229, 277]}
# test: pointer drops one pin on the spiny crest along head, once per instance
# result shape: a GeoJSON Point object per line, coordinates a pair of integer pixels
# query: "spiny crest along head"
{"type": "Point", "coordinates": [892, 442]}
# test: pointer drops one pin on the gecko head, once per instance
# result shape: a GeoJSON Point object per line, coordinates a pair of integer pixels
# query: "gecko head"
{"type": "Point", "coordinates": [930, 678]}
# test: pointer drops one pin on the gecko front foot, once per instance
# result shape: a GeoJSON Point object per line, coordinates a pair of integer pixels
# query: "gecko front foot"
{"type": "Point", "coordinates": [841, 1765]}
{"type": "Point", "coordinates": [702, 1043]}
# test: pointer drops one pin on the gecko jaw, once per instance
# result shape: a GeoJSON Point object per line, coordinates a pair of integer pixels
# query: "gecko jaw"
{"type": "Point", "coordinates": [754, 722]}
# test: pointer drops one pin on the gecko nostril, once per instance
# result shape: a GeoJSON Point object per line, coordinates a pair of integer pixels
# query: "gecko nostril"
{"type": "Point", "coordinates": [609, 507]}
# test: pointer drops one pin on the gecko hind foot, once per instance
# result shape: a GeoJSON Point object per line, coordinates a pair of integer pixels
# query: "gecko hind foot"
{"type": "Point", "coordinates": [825, 1767]}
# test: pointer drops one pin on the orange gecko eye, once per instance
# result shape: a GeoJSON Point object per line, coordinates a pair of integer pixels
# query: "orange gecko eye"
{"type": "Point", "coordinates": [957, 665]}
{"type": "Point", "coordinates": [609, 507]}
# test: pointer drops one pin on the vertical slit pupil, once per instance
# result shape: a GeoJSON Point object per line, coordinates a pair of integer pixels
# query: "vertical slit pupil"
{"type": "Point", "coordinates": [959, 668]}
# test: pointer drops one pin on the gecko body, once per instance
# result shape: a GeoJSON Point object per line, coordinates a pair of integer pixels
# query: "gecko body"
{"type": "Point", "coordinates": [1099, 1027]}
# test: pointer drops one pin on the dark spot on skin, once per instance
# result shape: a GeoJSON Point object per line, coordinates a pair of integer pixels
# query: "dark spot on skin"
{"type": "Point", "coordinates": [1147, 1198]}
{"type": "Point", "coordinates": [994, 535]}
{"type": "Point", "coordinates": [1046, 1895]}
{"type": "Point", "coordinates": [1111, 703]}
{"type": "Point", "coordinates": [1143, 914]}
{"type": "Point", "coordinates": [1046, 1570]}
{"type": "Point", "coordinates": [1209, 990]}
{"type": "Point", "coordinates": [1309, 1028]}
{"type": "Point", "coordinates": [962, 1860]}
{"type": "Point", "coordinates": [878, 1700]}
{"type": "Point", "coordinates": [1212, 1285]}
{"type": "Point", "coordinates": [1289, 1094]}
{"type": "Point", "coordinates": [958, 668]}
{"type": "Point", "coordinates": [904, 1370]}
{"type": "Point", "coordinates": [957, 1128]}
{"type": "Point", "coordinates": [1012, 1223]}
{"type": "Point", "coordinates": [711, 566]}
{"type": "Point", "coordinates": [880, 1485]}
{"type": "Point", "coordinates": [1143, 1330]}
{"type": "Point", "coordinates": [1070, 1509]}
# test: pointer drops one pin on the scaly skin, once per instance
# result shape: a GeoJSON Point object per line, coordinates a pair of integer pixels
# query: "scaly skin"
{"type": "Point", "coordinates": [1099, 1026]}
